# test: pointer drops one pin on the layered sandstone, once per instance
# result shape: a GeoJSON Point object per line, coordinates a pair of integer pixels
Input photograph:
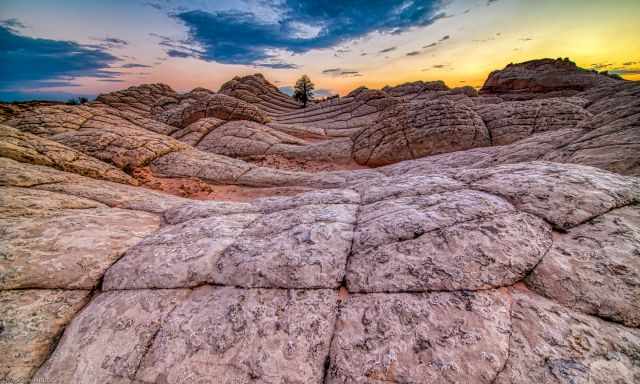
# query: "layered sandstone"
{"type": "Point", "coordinates": [415, 234]}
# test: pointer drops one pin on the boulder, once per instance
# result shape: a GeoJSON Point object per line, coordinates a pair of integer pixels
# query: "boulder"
{"type": "Point", "coordinates": [411, 130]}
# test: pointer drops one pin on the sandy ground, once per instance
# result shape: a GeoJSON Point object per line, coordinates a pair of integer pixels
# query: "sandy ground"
{"type": "Point", "coordinates": [199, 190]}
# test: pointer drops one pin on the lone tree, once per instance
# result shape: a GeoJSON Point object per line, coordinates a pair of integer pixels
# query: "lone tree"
{"type": "Point", "coordinates": [303, 90]}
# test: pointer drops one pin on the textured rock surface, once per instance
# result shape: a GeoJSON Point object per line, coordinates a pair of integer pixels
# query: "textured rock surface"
{"type": "Point", "coordinates": [31, 149]}
{"type": "Point", "coordinates": [410, 130]}
{"type": "Point", "coordinates": [71, 249]}
{"type": "Point", "coordinates": [499, 243]}
{"type": "Point", "coordinates": [107, 340]}
{"type": "Point", "coordinates": [554, 192]}
{"type": "Point", "coordinates": [595, 267]}
{"type": "Point", "coordinates": [458, 240]}
{"type": "Point", "coordinates": [551, 344]}
{"type": "Point", "coordinates": [421, 338]}
{"type": "Point", "coordinates": [197, 105]}
{"type": "Point", "coordinates": [240, 336]}
{"type": "Point", "coordinates": [512, 121]}
{"type": "Point", "coordinates": [543, 75]}
{"type": "Point", "coordinates": [31, 321]}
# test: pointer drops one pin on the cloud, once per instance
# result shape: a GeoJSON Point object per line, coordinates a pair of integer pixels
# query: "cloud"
{"type": "Point", "coordinates": [236, 37]}
{"type": "Point", "coordinates": [438, 66]}
{"type": "Point", "coordinates": [600, 66]}
{"type": "Point", "coordinates": [153, 5]}
{"type": "Point", "coordinates": [526, 39]}
{"type": "Point", "coordinates": [390, 49]}
{"type": "Point", "coordinates": [176, 47]}
{"type": "Point", "coordinates": [135, 65]}
{"type": "Point", "coordinates": [628, 63]}
{"type": "Point", "coordinates": [625, 71]}
{"type": "Point", "coordinates": [443, 38]}
{"type": "Point", "coordinates": [27, 62]}
{"type": "Point", "coordinates": [340, 72]}
{"type": "Point", "coordinates": [489, 2]}
{"type": "Point", "coordinates": [12, 24]}
{"type": "Point", "coordinates": [277, 65]}
{"type": "Point", "coordinates": [115, 41]}
{"type": "Point", "coordinates": [112, 80]}
{"type": "Point", "coordinates": [413, 53]}
{"type": "Point", "coordinates": [180, 54]}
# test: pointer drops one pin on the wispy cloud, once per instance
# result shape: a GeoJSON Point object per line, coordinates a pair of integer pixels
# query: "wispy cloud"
{"type": "Point", "coordinates": [386, 50]}
{"type": "Point", "coordinates": [625, 71]}
{"type": "Point", "coordinates": [135, 65]}
{"type": "Point", "coordinates": [12, 24]}
{"type": "Point", "coordinates": [413, 53]}
{"type": "Point", "coordinates": [340, 72]}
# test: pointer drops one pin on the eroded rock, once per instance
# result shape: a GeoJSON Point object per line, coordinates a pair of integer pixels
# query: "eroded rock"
{"type": "Point", "coordinates": [31, 321]}
{"type": "Point", "coordinates": [411, 130]}
{"type": "Point", "coordinates": [421, 338]}
{"type": "Point", "coordinates": [249, 335]}
{"type": "Point", "coordinates": [551, 344]}
{"type": "Point", "coordinates": [595, 267]}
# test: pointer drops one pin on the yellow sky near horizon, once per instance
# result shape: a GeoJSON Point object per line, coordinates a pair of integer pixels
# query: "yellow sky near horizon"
{"type": "Point", "coordinates": [481, 38]}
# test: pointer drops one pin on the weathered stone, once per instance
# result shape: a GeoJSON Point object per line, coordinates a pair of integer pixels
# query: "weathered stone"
{"type": "Point", "coordinates": [197, 105]}
{"type": "Point", "coordinates": [70, 249]}
{"type": "Point", "coordinates": [182, 255]}
{"type": "Point", "coordinates": [243, 138]}
{"type": "Point", "coordinates": [595, 267]}
{"type": "Point", "coordinates": [256, 90]}
{"type": "Point", "coordinates": [275, 243]}
{"type": "Point", "coordinates": [107, 340]}
{"type": "Point", "coordinates": [27, 148]}
{"type": "Point", "coordinates": [304, 247]}
{"type": "Point", "coordinates": [411, 130]}
{"type": "Point", "coordinates": [564, 195]}
{"type": "Point", "coordinates": [456, 240]}
{"type": "Point", "coordinates": [544, 75]}
{"type": "Point", "coordinates": [233, 335]}
{"type": "Point", "coordinates": [551, 344]}
{"type": "Point", "coordinates": [30, 323]}
{"type": "Point", "coordinates": [512, 121]}
{"type": "Point", "coordinates": [421, 338]}
{"type": "Point", "coordinates": [25, 202]}
{"type": "Point", "coordinates": [613, 141]}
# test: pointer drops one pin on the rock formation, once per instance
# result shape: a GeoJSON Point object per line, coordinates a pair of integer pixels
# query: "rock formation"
{"type": "Point", "coordinates": [415, 234]}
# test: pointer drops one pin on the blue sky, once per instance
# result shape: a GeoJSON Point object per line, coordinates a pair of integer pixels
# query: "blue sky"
{"type": "Point", "coordinates": [59, 49]}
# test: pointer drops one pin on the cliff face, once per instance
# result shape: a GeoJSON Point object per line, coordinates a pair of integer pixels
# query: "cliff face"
{"type": "Point", "coordinates": [415, 234]}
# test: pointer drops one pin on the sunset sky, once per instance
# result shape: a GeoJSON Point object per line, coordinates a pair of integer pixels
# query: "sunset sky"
{"type": "Point", "coordinates": [62, 49]}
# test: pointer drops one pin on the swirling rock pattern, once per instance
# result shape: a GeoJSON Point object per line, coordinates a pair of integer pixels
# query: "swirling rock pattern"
{"type": "Point", "coordinates": [496, 241]}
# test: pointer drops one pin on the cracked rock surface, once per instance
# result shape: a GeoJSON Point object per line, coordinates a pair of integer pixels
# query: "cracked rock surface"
{"type": "Point", "coordinates": [234, 237]}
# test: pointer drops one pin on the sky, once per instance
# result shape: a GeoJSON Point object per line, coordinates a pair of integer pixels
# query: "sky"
{"type": "Point", "coordinates": [61, 49]}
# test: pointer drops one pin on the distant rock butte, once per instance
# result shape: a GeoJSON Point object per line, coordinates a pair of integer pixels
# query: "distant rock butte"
{"type": "Point", "coordinates": [414, 234]}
